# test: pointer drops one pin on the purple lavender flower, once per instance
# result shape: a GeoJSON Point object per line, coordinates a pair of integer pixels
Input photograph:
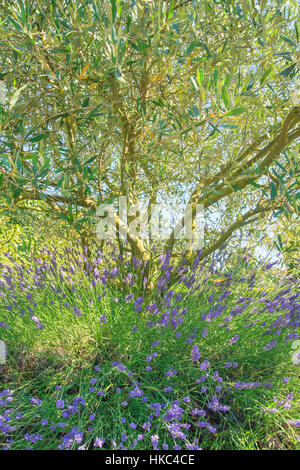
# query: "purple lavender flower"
{"type": "Point", "coordinates": [99, 442]}
{"type": "Point", "coordinates": [196, 353]}
{"type": "Point", "coordinates": [60, 404]}
{"type": "Point", "coordinates": [204, 365]}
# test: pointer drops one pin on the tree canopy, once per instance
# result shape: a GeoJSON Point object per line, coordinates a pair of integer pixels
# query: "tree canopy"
{"type": "Point", "coordinates": [191, 102]}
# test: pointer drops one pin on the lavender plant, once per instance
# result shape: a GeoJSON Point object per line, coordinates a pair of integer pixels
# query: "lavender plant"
{"type": "Point", "coordinates": [98, 360]}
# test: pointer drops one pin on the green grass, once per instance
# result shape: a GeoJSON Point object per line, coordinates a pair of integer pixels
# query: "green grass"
{"type": "Point", "coordinates": [66, 350]}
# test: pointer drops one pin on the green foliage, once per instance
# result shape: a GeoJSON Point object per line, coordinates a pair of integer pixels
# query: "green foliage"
{"type": "Point", "coordinates": [64, 352]}
{"type": "Point", "coordinates": [114, 98]}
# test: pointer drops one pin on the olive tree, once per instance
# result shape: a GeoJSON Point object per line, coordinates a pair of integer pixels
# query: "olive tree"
{"type": "Point", "coordinates": [189, 102]}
